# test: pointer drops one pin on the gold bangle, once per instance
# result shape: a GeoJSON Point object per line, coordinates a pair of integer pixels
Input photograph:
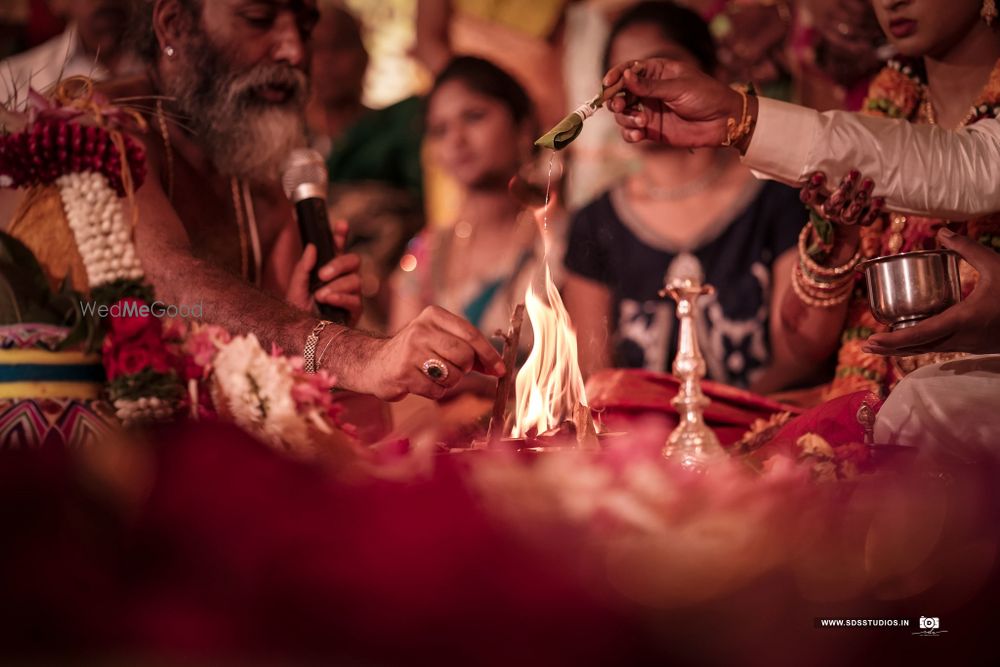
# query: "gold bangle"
{"type": "Point", "coordinates": [309, 351]}
{"type": "Point", "coordinates": [823, 271]}
{"type": "Point", "coordinates": [813, 301]}
{"type": "Point", "coordinates": [735, 132]}
{"type": "Point", "coordinates": [823, 290]}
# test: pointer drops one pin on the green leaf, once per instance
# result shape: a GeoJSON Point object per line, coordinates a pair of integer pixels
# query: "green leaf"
{"type": "Point", "coordinates": [564, 132]}
{"type": "Point", "coordinates": [10, 310]}
{"type": "Point", "coordinates": [25, 280]}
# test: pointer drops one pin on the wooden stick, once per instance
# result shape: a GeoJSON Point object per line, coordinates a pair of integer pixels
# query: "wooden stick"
{"type": "Point", "coordinates": [498, 420]}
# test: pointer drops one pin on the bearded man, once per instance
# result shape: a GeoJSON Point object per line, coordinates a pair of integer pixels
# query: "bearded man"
{"type": "Point", "coordinates": [229, 81]}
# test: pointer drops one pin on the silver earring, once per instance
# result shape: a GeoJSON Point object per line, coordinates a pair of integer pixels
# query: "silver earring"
{"type": "Point", "coordinates": [169, 51]}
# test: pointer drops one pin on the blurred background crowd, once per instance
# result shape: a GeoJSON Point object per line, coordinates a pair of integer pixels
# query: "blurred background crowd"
{"type": "Point", "coordinates": [426, 109]}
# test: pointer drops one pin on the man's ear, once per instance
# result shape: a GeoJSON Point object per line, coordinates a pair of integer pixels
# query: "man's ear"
{"type": "Point", "coordinates": [171, 21]}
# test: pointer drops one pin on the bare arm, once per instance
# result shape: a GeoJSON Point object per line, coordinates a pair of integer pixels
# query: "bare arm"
{"type": "Point", "coordinates": [433, 47]}
{"type": "Point", "coordinates": [589, 306]}
{"type": "Point", "coordinates": [801, 336]}
{"type": "Point", "coordinates": [386, 367]}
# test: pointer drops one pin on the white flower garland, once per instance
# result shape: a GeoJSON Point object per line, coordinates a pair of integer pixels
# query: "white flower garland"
{"type": "Point", "coordinates": [94, 212]}
{"type": "Point", "coordinates": [104, 240]}
{"type": "Point", "coordinates": [256, 387]}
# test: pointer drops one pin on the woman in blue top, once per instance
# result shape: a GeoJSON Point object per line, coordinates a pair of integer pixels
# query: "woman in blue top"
{"type": "Point", "coordinates": [480, 126]}
{"type": "Point", "coordinates": [682, 212]}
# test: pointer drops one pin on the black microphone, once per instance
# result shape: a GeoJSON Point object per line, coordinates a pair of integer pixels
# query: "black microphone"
{"type": "Point", "coordinates": [304, 178]}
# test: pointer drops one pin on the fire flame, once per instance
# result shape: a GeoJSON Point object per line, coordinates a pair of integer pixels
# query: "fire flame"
{"type": "Point", "coordinates": [549, 386]}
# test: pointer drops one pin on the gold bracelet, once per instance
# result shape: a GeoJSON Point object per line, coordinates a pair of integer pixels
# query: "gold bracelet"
{"type": "Point", "coordinates": [309, 351]}
{"type": "Point", "coordinates": [813, 301]}
{"type": "Point", "coordinates": [823, 271]}
{"type": "Point", "coordinates": [734, 132]}
{"type": "Point", "coordinates": [821, 290]}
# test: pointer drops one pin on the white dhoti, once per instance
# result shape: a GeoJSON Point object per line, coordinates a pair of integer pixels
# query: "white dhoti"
{"type": "Point", "coordinates": [949, 410]}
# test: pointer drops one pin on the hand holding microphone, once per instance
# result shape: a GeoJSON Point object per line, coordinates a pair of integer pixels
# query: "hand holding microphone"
{"type": "Point", "coordinates": [322, 275]}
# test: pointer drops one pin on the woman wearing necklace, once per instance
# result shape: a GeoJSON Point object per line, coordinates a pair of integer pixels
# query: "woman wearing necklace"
{"type": "Point", "coordinates": [479, 128]}
{"type": "Point", "coordinates": [683, 211]}
{"type": "Point", "coordinates": [948, 74]}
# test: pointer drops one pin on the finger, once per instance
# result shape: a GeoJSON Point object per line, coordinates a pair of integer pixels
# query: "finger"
{"type": "Point", "coordinates": [852, 213]}
{"type": "Point", "coordinates": [305, 263]}
{"type": "Point", "coordinates": [487, 359]}
{"type": "Point", "coordinates": [455, 373]}
{"type": "Point", "coordinates": [666, 87]}
{"type": "Point", "coordinates": [631, 120]}
{"type": "Point", "coordinates": [339, 266]}
{"type": "Point", "coordinates": [873, 212]}
{"type": "Point", "coordinates": [421, 385]}
{"type": "Point", "coordinates": [975, 253]}
{"type": "Point", "coordinates": [614, 74]}
{"type": "Point", "coordinates": [298, 284]}
{"type": "Point", "coordinates": [351, 302]}
{"type": "Point", "coordinates": [633, 136]}
{"type": "Point", "coordinates": [926, 333]}
{"type": "Point", "coordinates": [349, 284]}
{"type": "Point", "coordinates": [340, 231]}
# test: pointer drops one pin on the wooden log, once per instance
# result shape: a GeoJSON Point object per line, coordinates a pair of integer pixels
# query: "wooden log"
{"type": "Point", "coordinates": [511, 339]}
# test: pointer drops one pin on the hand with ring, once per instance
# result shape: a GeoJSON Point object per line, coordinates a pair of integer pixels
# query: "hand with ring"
{"type": "Point", "coordinates": [430, 355]}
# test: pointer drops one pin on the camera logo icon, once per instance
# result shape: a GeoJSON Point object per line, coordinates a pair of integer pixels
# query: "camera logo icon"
{"type": "Point", "coordinates": [930, 623]}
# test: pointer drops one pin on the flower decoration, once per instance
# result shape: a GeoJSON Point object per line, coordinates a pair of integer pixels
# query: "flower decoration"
{"type": "Point", "coordinates": [75, 143]}
{"type": "Point", "coordinates": [270, 395]}
{"type": "Point", "coordinates": [894, 92]}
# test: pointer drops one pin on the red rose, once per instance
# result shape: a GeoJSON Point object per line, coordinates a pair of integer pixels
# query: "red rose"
{"type": "Point", "coordinates": [131, 360]}
{"type": "Point", "coordinates": [126, 322]}
{"type": "Point", "coordinates": [132, 356]}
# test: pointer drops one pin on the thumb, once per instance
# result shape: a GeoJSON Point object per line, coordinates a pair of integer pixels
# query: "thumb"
{"type": "Point", "coordinates": [666, 85]}
{"type": "Point", "coordinates": [298, 285]}
{"type": "Point", "coordinates": [975, 253]}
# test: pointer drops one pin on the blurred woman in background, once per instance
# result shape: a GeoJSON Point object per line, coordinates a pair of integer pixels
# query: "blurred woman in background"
{"type": "Point", "coordinates": [679, 213]}
{"type": "Point", "coordinates": [480, 128]}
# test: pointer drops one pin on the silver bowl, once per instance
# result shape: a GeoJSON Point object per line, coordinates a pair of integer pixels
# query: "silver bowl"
{"type": "Point", "coordinates": [907, 288]}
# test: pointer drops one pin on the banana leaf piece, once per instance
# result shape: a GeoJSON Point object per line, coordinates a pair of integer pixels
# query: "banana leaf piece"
{"type": "Point", "coordinates": [569, 128]}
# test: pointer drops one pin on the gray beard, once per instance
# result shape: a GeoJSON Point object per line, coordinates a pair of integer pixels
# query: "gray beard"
{"type": "Point", "coordinates": [244, 136]}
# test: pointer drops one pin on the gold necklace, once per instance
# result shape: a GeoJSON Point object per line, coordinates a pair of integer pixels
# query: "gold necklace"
{"type": "Point", "coordinates": [931, 116]}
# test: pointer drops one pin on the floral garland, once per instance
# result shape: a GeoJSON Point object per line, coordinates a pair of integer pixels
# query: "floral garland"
{"type": "Point", "coordinates": [76, 142]}
{"type": "Point", "coordinates": [266, 393]}
{"type": "Point", "coordinates": [898, 92]}
{"type": "Point", "coordinates": [156, 368]}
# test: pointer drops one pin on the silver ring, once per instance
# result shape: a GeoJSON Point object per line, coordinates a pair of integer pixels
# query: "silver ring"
{"type": "Point", "coordinates": [436, 370]}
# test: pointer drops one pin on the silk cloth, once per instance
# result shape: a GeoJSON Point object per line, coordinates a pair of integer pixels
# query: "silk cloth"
{"type": "Point", "coordinates": [917, 168]}
{"type": "Point", "coordinates": [949, 410]}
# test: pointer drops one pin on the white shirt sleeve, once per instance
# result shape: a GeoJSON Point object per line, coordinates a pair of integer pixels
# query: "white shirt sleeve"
{"type": "Point", "coordinates": [917, 168]}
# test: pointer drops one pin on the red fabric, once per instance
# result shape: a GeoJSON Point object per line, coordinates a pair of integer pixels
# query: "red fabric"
{"type": "Point", "coordinates": [624, 395]}
{"type": "Point", "coordinates": [836, 421]}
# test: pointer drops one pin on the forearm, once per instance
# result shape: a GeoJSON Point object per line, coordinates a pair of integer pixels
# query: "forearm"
{"type": "Point", "coordinates": [805, 335]}
{"type": "Point", "coordinates": [433, 47]}
{"type": "Point", "coordinates": [916, 168]}
{"type": "Point", "coordinates": [225, 300]}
